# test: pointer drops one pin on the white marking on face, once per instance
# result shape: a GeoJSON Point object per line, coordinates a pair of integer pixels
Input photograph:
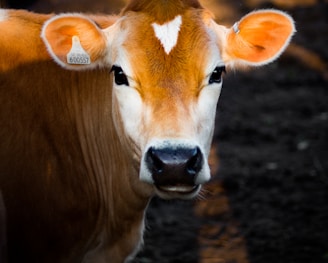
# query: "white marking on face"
{"type": "Point", "coordinates": [204, 114]}
{"type": "Point", "coordinates": [3, 15]}
{"type": "Point", "coordinates": [203, 111]}
{"type": "Point", "coordinates": [131, 107]}
{"type": "Point", "coordinates": [131, 110]}
{"type": "Point", "coordinates": [168, 33]}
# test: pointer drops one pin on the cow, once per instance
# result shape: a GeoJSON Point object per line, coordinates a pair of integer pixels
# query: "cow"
{"type": "Point", "coordinates": [100, 113]}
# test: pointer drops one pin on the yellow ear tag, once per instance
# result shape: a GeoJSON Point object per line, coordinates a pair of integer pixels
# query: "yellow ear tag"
{"type": "Point", "coordinates": [77, 55]}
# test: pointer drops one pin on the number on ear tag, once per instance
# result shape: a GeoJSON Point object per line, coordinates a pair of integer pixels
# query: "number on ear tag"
{"type": "Point", "coordinates": [77, 55]}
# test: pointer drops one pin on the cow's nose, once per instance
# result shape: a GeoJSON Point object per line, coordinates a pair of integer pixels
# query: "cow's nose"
{"type": "Point", "coordinates": [174, 166]}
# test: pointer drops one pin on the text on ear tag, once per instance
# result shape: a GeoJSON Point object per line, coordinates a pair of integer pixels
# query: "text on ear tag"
{"type": "Point", "coordinates": [77, 55]}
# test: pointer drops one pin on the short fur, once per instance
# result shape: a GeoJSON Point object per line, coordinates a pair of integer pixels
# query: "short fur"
{"type": "Point", "coordinates": [72, 144]}
{"type": "Point", "coordinates": [57, 149]}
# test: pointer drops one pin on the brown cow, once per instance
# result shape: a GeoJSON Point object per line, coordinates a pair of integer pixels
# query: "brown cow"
{"type": "Point", "coordinates": [81, 152]}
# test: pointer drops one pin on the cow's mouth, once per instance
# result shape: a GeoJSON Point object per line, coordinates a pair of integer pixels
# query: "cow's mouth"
{"type": "Point", "coordinates": [177, 191]}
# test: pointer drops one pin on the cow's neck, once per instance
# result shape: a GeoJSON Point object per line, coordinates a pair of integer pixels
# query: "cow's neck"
{"type": "Point", "coordinates": [120, 217]}
{"type": "Point", "coordinates": [112, 172]}
{"type": "Point", "coordinates": [97, 177]}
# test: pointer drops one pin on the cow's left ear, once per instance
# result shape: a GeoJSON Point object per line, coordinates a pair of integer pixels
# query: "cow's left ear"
{"type": "Point", "coordinates": [74, 41]}
{"type": "Point", "coordinates": [257, 39]}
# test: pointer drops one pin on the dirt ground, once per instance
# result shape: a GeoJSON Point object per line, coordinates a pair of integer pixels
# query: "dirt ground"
{"type": "Point", "coordinates": [268, 199]}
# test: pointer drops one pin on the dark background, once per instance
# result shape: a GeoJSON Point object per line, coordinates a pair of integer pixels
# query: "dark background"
{"type": "Point", "coordinates": [268, 199]}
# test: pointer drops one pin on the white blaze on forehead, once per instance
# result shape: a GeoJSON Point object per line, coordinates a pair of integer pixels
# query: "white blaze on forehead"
{"type": "Point", "coordinates": [3, 15]}
{"type": "Point", "coordinates": [168, 33]}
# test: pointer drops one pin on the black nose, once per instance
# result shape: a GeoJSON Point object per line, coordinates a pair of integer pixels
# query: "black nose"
{"type": "Point", "coordinates": [174, 166]}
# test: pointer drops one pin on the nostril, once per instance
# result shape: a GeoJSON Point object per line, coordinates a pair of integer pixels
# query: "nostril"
{"type": "Point", "coordinates": [195, 163]}
{"type": "Point", "coordinates": [155, 164]}
{"type": "Point", "coordinates": [171, 166]}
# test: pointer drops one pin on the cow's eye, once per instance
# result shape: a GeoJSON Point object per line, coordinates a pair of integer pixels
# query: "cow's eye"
{"type": "Point", "coordinates": [216, 76]}
{"type": "Point", "coordinates": [119, 77]}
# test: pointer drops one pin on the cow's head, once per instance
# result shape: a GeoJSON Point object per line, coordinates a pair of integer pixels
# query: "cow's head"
{"type": "Point", "coordinates": [167, 58]}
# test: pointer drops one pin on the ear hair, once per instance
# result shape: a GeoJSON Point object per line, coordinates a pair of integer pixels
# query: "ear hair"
{"type": "Point", "coordinates": [258, 38]}
{"type": "Point", "coordinates": [58, 33]}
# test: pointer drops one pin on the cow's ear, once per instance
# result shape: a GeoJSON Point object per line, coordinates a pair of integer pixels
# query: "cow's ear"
{"type": "Point", "coordinates": [74, 41]}
{"type": "Point", "coordinates": [258, 38]}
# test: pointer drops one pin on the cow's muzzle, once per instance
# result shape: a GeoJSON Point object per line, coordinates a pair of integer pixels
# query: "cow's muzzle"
{"type": "Point", "coordinates": [174, 170]}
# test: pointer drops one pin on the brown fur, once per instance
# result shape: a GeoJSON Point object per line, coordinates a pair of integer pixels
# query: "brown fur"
{"type": "Point", "coordinates": [162, 10]}
{"type": "Point", "coordinates": [182, 71]}
{"type": "Point", "coordinates": [68, 178]}
{"type": "Point", "coordinates": [64, 176]}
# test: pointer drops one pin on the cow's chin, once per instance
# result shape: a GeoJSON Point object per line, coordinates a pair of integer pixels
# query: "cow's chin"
{"type": "Point", "coordinates": [177, 192]}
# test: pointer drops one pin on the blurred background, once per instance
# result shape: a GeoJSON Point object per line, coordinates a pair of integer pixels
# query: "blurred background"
{"type": "Point", "coordinates": [268, 199]}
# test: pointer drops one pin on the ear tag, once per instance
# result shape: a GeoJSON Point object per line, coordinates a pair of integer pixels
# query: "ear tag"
{"type": "Point", "coordinates": [77, 55]}
{"type": "Point", "coordinates": [236, 28]}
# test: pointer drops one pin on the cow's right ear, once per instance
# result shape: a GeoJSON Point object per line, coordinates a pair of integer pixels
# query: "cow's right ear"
{"type": "Point", "coordinates": [74, 41]}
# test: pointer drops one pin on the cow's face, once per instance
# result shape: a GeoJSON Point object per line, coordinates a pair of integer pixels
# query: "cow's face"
{"type": "Point", "coordinates": [167, 81]}
{"type": "Point", "coordinates": [167, 78]}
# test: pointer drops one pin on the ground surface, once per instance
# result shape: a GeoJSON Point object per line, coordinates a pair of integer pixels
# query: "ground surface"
{"type": "Point", "coordinates": [268, 200]}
